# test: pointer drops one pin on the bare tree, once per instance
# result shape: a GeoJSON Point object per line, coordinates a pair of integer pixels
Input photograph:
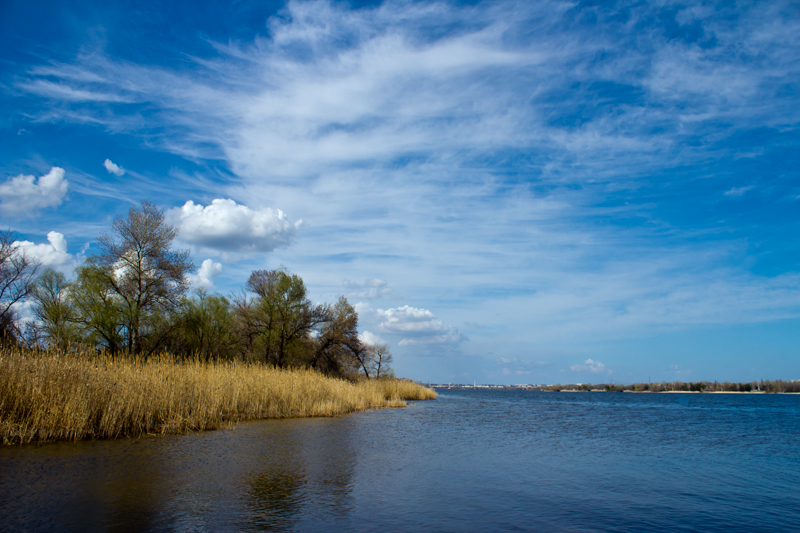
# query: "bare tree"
{"type": "Point", "coordinates": [141, 268]}
{"type": "Point", "coordinates": [381, 359]}
{"type": "Point", "coordinates": [17, 278]}
{"type": "Point", "coordinates": [361, 358]}
{"type": "Point", "coordinates": [373, 359]}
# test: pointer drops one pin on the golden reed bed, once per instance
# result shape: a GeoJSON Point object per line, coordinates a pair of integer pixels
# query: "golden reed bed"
{"type": "Point", "coordinates": [48, 396]}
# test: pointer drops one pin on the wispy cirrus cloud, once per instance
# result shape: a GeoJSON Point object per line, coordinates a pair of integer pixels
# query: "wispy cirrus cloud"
{"type": "Point", "coordinates": [368, 290]}
{"type": "Point", "coordinates": [739, 191]}
{"type": "Point", "coordinates": [516, 161]}
{"type": "Point", "coordinates": [338, 86]}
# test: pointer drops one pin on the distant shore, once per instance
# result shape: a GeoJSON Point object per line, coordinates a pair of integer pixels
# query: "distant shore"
{"type": "Point", "coordinates": [705, 392]}
{"type": "Point", "coordinates": [673, 387]}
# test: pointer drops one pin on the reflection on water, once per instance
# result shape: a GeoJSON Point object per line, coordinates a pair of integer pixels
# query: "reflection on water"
{"type": "Point", "coordinates": [300, 464]}
{"type": "Point", "coordinates": [469, 461]}
{"type": "Point", "coordinates": [257, 477]}
{"type": "Point", "coordinates": [276, 498]}
{"type": "Point", "coordinates": [74, 487]}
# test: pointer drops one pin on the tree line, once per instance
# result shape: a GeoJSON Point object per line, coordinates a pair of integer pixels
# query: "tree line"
{"type": "Point", "coordinates": [769, 386]}
{"type": "Point", "coordinates": [132, 299]}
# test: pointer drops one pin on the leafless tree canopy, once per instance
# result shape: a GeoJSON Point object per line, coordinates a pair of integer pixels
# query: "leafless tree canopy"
{"type": "Point", "coordinates": [142, 269]}
{"type": "Point", "coordinates": [381, 359]}
{"type": "Point", "coordinates": [17, 277]}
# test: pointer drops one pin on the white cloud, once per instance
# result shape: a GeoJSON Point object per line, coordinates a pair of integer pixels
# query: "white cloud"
{"type": "Point", "coordinates": [227, 226]}
{"type": "Point", "coordinates": [58, 91]}
{"type": "Point", "coordinates": [206, 274]}
{"type": "Point", "coordinates": [391, 137]}
{"type": "Point", "coordinates": [25, 195]}
{"type": "Point", "coordinates": [520, 367]}
{"type": "Point", "coordinates": [112, 168]}
{"type": "Point", "coordinates": [739, 191]}
{"type": "Point", "coordinates": [369, 290]}
{"type": "Point", "coordinates": [417, 326]}
{"type": "Point", "coordinates": [370, 338]}
{"type": "Point", "coordinates": [52, 255]}
{"type": "Point", "coordinates": [374, 85]}
{"type": "Point", "coordinates": [590, 365]}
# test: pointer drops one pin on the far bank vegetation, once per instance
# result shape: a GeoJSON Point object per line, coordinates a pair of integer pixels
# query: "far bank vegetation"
{"type": "Point", "coordinates": [126, 322]}
{"type": "Point", "coordinates": [766, 386]}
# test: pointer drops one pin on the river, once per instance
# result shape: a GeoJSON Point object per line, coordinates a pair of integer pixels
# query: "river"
{"type": "Point", "coordinates": [472, 460]}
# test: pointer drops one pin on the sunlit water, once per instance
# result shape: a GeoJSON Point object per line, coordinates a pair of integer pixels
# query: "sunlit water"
{"type": "Point", "coordinates": [472, 460]}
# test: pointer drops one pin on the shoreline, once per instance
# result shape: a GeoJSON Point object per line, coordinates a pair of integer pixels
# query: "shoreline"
{"type": "Point", "coordinates": [500, 387]}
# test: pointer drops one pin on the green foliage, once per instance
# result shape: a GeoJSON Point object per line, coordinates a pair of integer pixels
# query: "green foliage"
{"type": "Point", "coordinates": [338, 349]}
{"type": "Point", "coordinates": [54, 310]}
{"type": "Point", "coordinates": [131, 299]}
{"type": "Point", "coordinates": [207, 325]}
{"type": "Point", "coordinates": [98, 309]}
{"type": "Point", "coordinates": [279, 318]}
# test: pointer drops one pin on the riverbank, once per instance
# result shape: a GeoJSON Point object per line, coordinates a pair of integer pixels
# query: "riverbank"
{"type": "Point", "coordinates": [46, 396]}
{"type": "Point", "coordinates": [777, 386]}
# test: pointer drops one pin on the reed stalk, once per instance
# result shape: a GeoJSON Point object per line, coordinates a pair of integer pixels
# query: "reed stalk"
{"type": "Point", "coordinates": [47, 396]}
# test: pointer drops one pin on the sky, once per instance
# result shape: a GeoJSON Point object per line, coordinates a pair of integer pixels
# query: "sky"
{"type": "Point", "coordinates": [509, 192]}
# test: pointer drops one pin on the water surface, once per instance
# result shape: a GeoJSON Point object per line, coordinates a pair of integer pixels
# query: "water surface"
{"type": "Point", "coordinates": [472, 460]}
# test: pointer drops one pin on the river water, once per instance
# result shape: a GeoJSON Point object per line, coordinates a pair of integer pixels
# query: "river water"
{"type": "Point", "coordinates": [472, 460]}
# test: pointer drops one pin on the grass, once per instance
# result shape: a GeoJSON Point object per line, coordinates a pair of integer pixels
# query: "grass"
{"type": "Point", "coordinates": [47, 396]}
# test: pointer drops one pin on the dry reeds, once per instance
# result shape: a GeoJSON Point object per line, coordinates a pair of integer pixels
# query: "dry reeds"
{"type": "Point", "coordinates": [50, 396]}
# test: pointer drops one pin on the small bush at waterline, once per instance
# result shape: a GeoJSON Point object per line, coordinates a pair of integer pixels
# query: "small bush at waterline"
{"type": "Point", "coordinates": [53, 396]}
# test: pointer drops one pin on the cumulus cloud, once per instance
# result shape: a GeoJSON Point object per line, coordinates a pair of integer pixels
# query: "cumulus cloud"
{"type": "Point", "coordinates": [738, 191]}
{"type": "Point", "coordinates": [52, 255]}
{"type": "Point", "coordinates": [370, 338]}
{"type": "Point", "coordinates": [369, 290]}
{"type": "Point", "coordinates": [25, 194]}
{"type": "Point", "coordinates": [417, 326]}
{"type": "Point", "coordinates": [227, 226]}
{"type": "Point", "coordinates": [590, 365]}
{"type": "Point", "coordinates": [205, 274]}
{"type": "Point", "coordinates": [112, 168]}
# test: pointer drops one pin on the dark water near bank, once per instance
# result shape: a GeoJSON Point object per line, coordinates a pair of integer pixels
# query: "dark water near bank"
{"type": "Point", "coordinates": [469, 461]}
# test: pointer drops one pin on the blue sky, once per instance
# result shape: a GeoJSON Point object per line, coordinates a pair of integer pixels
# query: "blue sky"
{"type": "Point", "coordinates": [511, 192]}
